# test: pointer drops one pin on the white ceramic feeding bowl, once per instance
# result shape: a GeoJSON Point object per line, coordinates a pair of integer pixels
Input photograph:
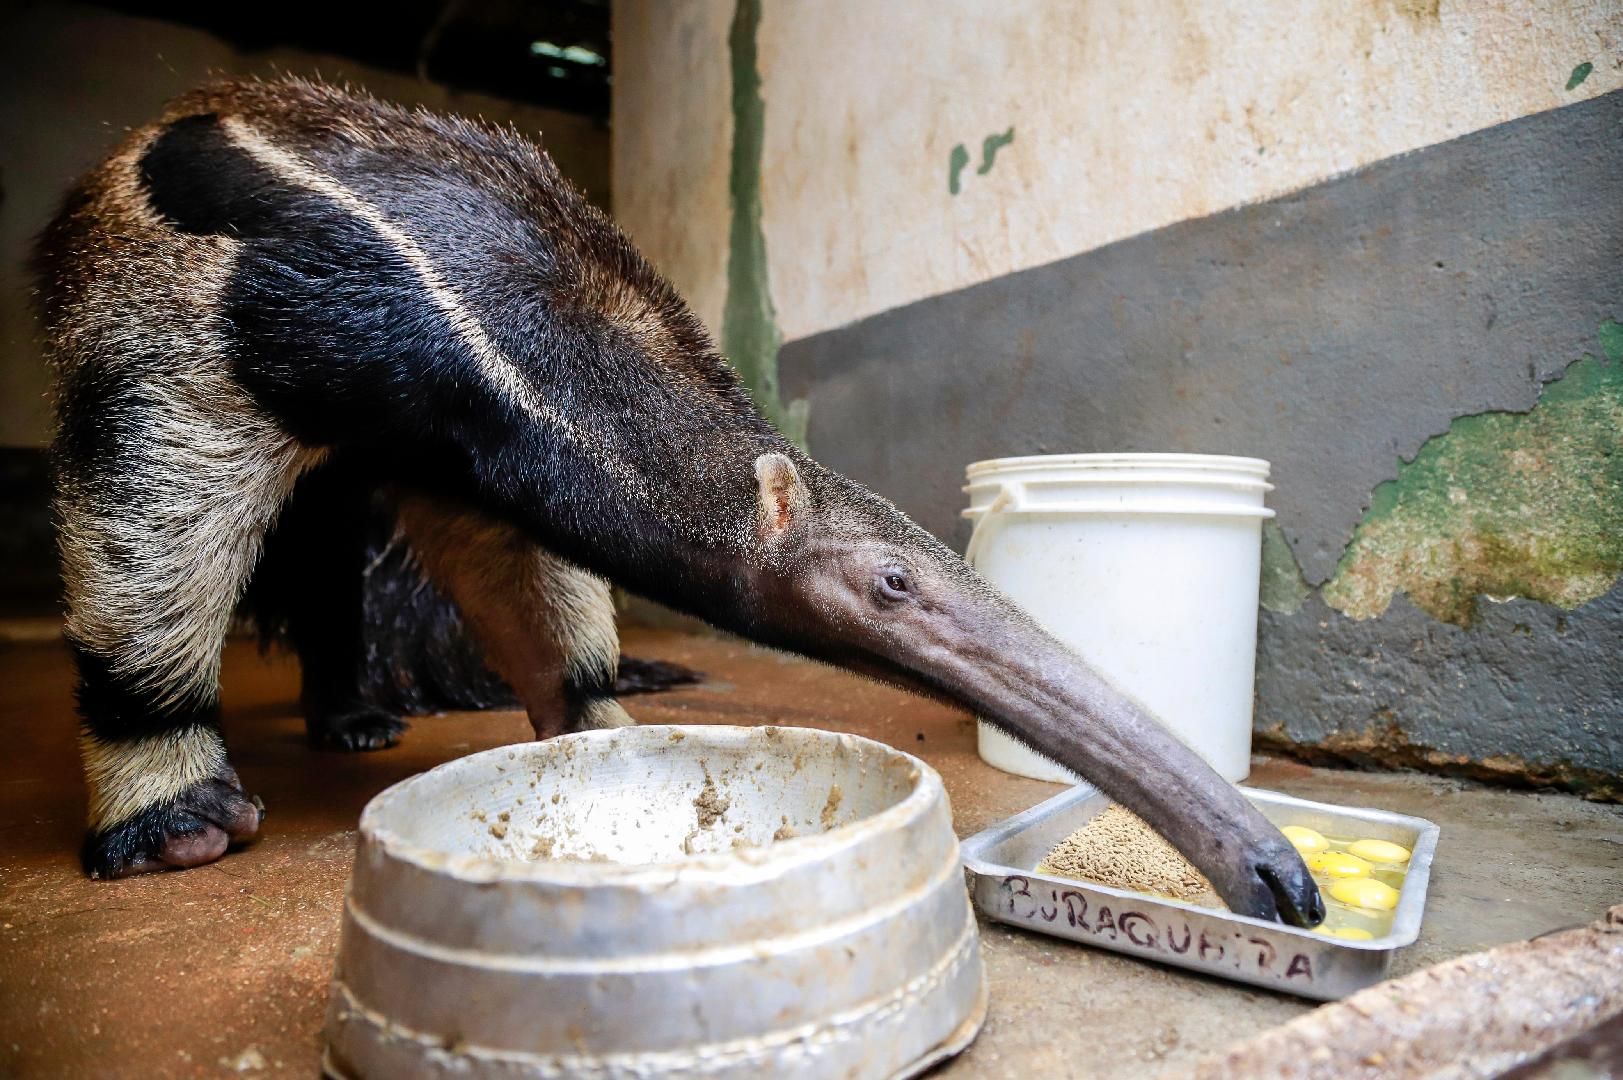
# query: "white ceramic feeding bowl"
{"type": "Point", "coordinates": [687, 901]}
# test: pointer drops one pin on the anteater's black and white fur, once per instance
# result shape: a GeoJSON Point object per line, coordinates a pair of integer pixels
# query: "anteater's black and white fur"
{"type": "Point", "coordinates": [377, 639]}
{"type": "Point", "coordinates": [283, 294]}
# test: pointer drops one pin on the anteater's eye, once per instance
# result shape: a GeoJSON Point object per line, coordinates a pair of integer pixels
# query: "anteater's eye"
{"type": "Point", "coordinates": [896, 583]}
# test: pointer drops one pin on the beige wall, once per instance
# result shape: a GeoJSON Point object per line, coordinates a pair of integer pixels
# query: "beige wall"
{"type": "Point", "coordinates": [1126, 116]}
{"type": "Point", "coordinates": [673, 133]}
{"type": "Point", "coordinates": [74, 78]}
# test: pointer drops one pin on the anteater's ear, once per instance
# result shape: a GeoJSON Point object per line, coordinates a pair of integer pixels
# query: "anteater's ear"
{"type": "Point", "coordinates": [781, 496]}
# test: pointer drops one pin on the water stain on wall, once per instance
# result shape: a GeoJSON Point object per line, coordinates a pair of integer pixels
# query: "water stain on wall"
{"type": "Point", "coordinates": [1504, 504]}
{"type": "Point", "coordinates": [1418, 10]}
{"type": "Point", "coordinates": [749, 328]}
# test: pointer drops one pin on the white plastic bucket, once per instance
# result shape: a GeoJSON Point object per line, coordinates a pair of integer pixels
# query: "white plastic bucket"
{"type": "Point", "coordinates": [1148, 566]}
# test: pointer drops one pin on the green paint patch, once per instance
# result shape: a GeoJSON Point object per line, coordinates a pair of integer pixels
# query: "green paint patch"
{"type": "Point", "coordinates": [957, 162]}
{"type": "Point", "coordinates": [1611, 339]}
{"type": "Point", "coordinates": [1579, 74]}
{"type": "Point", "coordinates": [958, 159]}
{"type": "Point", "coordinates": [989, 148]}
{"type": "Point", "coordinates": [749, 327]}
{"type": "Point", "coordinates": [1502, 505]}
{"type": "Point", "coordinates": [1284, 588]}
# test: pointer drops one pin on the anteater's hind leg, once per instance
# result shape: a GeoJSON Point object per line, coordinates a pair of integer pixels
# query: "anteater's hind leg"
{"type": "Point", "coordinates": [310, 589]}
{"type": "Point", "coordinates": [377, 640]}
{"type": "Point", "coordinates": [547, 626]}
{"type": "Point", "coordinates": [165, 490]}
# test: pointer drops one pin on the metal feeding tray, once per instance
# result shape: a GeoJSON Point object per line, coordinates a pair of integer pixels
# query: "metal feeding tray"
{"type": "Point", "coordinates": [999, 864]}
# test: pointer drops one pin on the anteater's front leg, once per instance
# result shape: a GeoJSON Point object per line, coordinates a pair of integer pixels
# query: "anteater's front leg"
{"type": "Point", "coordinates": [161, 519]}
{"type": "Point", "coordinates": [547, 626]}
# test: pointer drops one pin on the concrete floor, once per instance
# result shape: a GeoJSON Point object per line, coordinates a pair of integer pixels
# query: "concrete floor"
{"type": "Point", "coordinates": [224, 968]}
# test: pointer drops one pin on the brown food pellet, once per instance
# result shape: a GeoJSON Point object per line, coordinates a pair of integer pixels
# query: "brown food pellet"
{"type": "Point", "coordinates": [1118, 849]}
{"type": "Point", "coordinates": [832, 806]}
{"type": "Point", "coordinates": [710, 805]}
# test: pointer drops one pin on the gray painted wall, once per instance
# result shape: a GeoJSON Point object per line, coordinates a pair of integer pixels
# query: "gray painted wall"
{"type": "Point", "coordinates": [1333, 331]}
{"type": "Point", "coordinates": [1528, 693]}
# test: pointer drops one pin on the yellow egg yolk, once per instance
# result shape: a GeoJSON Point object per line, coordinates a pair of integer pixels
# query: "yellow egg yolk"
{"type": "Point", "coordinates": [1304, 839]}
{"type": "Point", "coordinates": [1379, 851]}
{"type": "Point", "coordinates": [1338, 864]}
{"type": "Point", "coordinates": [1365, 893]}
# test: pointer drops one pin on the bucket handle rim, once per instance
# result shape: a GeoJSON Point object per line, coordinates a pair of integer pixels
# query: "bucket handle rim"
{"type": "Point", "coordinates": [1007, 493]}
{"type": "Point", "coordinates": [1011, 499]}
{"type": "Point", "coordinates": [1232, 483]}
{"type": "Point", "coordinates": [1170, 509]}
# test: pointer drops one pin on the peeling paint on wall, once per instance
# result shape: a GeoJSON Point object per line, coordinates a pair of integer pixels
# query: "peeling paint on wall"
{"type": "Point", "coordinates": [1502, 505]}
{"type": "Point", "coordinates": [749, 328]}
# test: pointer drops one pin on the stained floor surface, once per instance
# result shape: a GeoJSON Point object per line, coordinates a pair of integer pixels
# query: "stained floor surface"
{"type": "Point", "coordinates": [223, 969]}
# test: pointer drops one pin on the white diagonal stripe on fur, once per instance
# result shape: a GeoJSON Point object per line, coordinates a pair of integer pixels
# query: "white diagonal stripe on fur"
{"type": "Point", "coordinates": [130, 776]}
{"type": "Point", "coordinates": [497, 366]}
{"type": "Point", "coordinates": [155, 556]}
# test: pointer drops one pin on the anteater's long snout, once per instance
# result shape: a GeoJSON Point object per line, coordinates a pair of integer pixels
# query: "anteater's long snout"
{"type": "Point", "coordinates": [999, 662]}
